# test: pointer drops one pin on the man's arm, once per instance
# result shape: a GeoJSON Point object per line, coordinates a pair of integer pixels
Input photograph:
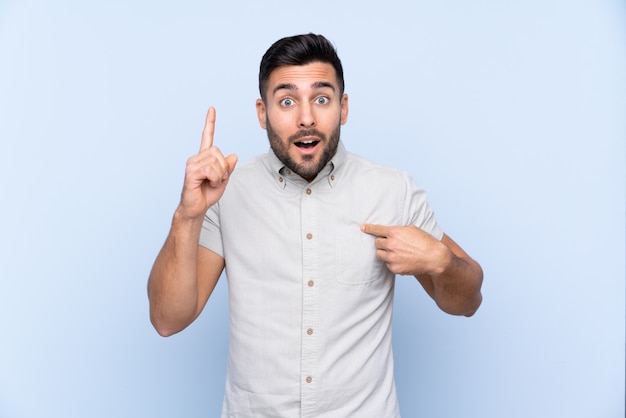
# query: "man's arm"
{"type": "Point", "coordinates": [184, 274]}
{"type": "Point", "coordinates": [456, 290]}
{"type": "Point", "coordinates": [182, 278]}
{"type": "Point", "coordinates": [450, 276]}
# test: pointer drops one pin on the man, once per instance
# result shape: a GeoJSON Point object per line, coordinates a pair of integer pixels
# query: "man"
{"type": "Point", "coordinates": [311, 237]}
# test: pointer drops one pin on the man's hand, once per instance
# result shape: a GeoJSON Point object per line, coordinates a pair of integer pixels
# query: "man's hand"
{"type": "Point", "coordinates": [206, 175]}
{"type": "Point", "coordinates": [408, 249]}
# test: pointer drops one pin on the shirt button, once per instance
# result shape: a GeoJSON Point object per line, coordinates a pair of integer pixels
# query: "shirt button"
{"type": "Point", "coordinates": [311, 283]}
{"type": "Point", "coordinates": [309, 379]}
{"type": "Point", "coordinates": [308, 191]}
{"type": "Point", "coordinates": [309, 331]}
{"type": "Point", "coordinates": [280, 179]}
{"type": "Point", "coordinates": [309, 236]}
{"type": "Point", "coordinates": [332, 177]}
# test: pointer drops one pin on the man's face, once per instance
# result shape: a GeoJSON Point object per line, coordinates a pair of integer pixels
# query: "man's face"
{"type": "Point", "coordinates": [302, 114]}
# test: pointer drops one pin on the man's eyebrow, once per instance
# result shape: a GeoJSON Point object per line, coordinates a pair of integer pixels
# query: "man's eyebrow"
{"type": "Point", "coordinates": [286, 86]}
{"type": "Point", "coordinates": [323, 84]}
{"type": "Point", "coordinates": [316, 85]}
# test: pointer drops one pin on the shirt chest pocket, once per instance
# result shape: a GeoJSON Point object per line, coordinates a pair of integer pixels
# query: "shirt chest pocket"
{"type": "Point", "coordinates": [356, 262]}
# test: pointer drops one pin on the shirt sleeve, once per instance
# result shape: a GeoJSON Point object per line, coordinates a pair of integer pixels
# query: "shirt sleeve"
{"type": "Point", "coordinates": [211, 234]}
{"type": "Point", "coordinates": [417, 210]}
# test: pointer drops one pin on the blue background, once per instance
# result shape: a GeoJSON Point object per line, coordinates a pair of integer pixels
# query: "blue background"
{"type": "Point", "coordinates": [512, 115]}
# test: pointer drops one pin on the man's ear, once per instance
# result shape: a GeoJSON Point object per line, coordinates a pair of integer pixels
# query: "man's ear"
{"type": "Point", "coordinates": [261, 113]}
{"type": "Point", "coordinates": [344, 109]}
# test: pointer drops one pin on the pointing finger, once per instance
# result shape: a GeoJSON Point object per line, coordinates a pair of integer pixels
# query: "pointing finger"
{"type": "Point", "coordinates": [209, 130]}
{"type": "Point", "coordinates": [376, 230]}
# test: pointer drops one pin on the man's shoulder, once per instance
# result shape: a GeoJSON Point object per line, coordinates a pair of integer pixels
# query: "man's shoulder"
{"type": "Point", "coordinates": [252, 167]}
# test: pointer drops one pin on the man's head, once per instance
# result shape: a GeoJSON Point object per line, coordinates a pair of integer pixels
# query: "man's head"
{"type": "Point", "coordinates": [302, 104]}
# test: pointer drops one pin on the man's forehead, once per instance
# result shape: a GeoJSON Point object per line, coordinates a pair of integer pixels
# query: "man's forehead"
{"type": "Point", "coordinates": [313, 75]}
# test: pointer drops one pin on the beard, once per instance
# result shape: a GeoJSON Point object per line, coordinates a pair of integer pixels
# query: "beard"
{"type": "Point", "coordinates": [308, 168]}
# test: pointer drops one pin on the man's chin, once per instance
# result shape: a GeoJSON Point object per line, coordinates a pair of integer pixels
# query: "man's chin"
{"type": "Point", "coordinates": [306, 161]}
{"type": "Point", "coordinates": [307, 168]}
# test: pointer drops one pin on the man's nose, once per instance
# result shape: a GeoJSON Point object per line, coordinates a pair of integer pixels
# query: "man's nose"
{"type": "Point", "coordinates": [306, 116]}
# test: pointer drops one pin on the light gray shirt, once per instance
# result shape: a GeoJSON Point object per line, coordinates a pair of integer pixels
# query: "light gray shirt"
{"type": "Point", "coordinates": [310, 304]}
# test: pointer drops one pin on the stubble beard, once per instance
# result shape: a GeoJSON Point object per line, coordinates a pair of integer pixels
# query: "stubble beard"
{"type": "Point", "coordinates": [308, 168]}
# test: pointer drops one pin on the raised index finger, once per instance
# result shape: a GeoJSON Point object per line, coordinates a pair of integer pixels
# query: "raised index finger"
{"type": "Point", "coordinates": [209, 130]}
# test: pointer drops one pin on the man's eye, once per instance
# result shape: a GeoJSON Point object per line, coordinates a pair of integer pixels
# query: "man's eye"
{"type": "Point", "coordinates": [322, 100]}
{"type": "Point", "coordinates": [286, 102]}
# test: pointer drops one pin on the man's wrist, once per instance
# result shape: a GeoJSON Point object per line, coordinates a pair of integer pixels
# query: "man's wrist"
{"type": "Point", "coordinates": [182, 218]}
{"type": "Point", "coordinates": [445, 260]}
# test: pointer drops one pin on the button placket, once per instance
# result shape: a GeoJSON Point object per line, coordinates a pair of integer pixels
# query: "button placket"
{"type": "Point", "coordinates": [310, 302]}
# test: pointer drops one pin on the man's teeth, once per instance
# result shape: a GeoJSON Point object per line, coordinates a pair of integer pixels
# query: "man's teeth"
{"type": "Point", "coordinates": [308, 143]}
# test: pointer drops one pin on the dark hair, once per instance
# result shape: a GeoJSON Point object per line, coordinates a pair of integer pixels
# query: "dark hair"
{"type": "Point", "coordinates": [299, 50]}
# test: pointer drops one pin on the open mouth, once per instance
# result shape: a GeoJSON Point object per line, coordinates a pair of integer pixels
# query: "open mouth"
{"type": "Point", "coordinates": [306, 144]}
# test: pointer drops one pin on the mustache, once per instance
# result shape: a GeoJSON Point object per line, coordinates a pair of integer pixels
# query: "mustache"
{"type": "Point", "coordinates": [305, 133]}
